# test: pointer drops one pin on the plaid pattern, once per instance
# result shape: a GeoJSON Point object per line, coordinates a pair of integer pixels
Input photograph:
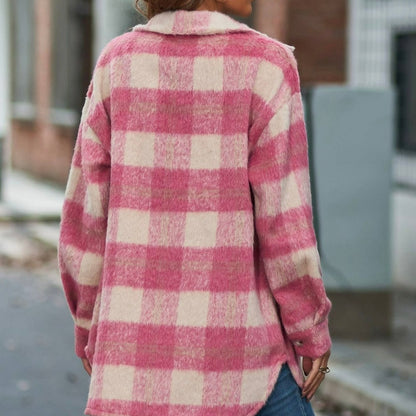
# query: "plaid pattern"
{"type": "Point", "coordinates": [171, 277]}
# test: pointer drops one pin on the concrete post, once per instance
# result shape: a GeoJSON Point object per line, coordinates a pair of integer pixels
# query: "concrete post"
{"type": "Point", "coordinates": [352, 134]}
{"type": "Point", "coordinates": [4, 84]}
{"type": "Point", "coordinates": [112, 18]}
{"type": "Point", "coordinates": [271, 17]}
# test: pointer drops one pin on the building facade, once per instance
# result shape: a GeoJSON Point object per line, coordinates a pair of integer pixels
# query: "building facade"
{"type": "Point", "coordinates": [318, 30]}
{"type": "Point", "coordinates": [51, 61]}
{"type": "Point", "coordinates": [382, 54]}
{"type": "Point", "coordinates": [54, 43]}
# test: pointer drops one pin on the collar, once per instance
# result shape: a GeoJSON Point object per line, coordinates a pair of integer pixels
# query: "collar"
{"type": "Point", "coordinates": [199, 22]}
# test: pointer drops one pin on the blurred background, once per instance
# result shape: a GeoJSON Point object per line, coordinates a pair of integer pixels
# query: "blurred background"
{"type": "Point", "coordinates": [357, 62]}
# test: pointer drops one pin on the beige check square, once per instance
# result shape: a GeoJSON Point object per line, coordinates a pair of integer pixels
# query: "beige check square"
{"type": "Point", "coordinates": [93, 203]}
{"type": "Point", "coordinates": [89, 134]}
{"type": "Point", "coordinates": [73, 259]}
{"type": "Point", "coordinates": [263, 87]}
{"type": "Point", "coordinates": [186, 388]}
{"type": "Point", "coordinates": [193, 309]}
{"type": "Point", "coordinates": [307, 262]}
{"type": "Point", "coordinates": [253, 384]}
{"type": "Point", "coordinates": [208, 74]}
{"type": "Point", "coordinates": [139, 149]}
{"type": "Point", "coordinates": [290, 197]}
{"type": "Point", "coordinates": [95, 384]}
{"type": "Point", "coordinates": [254, 313]}
{"type": "Point", "coordinates": [90, 269]}
{"type": "Point", "coordinates": [118, 382]}
{"type": "Point", "coordinates": [125, 304]}
{"type": "Point", "coordinates": [205, 152]}
{"type": "Point", "coordinates": [133, 226]}
{"type": "Point", "coordinates": [102, 77]}
{"type": "Point", "coordinates": [201, 229]}
{"type": "Point", "coordinates": [144, 71]}
{"type": "Point", "coordinates": [73, 180]}
{"type": "Point", "coordinates": [281, 121]}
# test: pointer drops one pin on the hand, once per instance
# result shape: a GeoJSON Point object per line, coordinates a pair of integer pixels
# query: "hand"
{"type": "Point", "coordinates": [314, 370]}
{"type": "Point", "coordinates": [87, 365]}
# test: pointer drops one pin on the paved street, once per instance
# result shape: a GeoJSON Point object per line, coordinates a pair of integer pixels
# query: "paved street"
{"type": "Point", "coordinates": [39, 374]}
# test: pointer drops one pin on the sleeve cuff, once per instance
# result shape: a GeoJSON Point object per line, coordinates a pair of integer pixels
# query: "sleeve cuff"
{"type": "Point", "coordinates": [313, 342]}
{"type": "Point", "coordinates": [81, 341]}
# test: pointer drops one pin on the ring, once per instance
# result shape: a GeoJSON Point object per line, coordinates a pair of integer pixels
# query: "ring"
{"type": "Point", "coordinates": [324, 370]}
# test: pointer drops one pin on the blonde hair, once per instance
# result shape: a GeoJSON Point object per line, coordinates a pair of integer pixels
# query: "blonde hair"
{"type": "Point", "coordinates": [154, 7]}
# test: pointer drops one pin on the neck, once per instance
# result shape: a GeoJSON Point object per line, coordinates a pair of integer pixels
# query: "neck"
{"type": "Point", "coordinates": [210, 5]}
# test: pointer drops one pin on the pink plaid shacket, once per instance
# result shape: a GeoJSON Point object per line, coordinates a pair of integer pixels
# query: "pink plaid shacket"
{"type": "Point", "coordinates": [186, 299]}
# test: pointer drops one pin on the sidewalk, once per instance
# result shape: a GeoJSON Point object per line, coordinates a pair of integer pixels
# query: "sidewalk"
{"type": "Point", "coordinates": [33, 203]}
{"type": "Point", "coordinates": [377, 378]}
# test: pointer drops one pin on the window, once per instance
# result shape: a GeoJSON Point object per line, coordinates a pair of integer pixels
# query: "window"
{"type": "Point", "coordinates": [405, 64]}
{"type": "Point", "coordinates": [71, 58]}
{"type": "Point", "coordinates": [22, 49]}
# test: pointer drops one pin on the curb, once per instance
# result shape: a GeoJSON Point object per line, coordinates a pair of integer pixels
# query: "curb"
{"type": "Point", "coordinates": [16, 217]}
{"type": "Point", "coordinates": [47, 234]}
{"type": "Point", "coordinates": [349, 388]}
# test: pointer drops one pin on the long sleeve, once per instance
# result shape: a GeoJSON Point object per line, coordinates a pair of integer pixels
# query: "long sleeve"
{"type": "Point", "coordinates": [84, 215]}
{"type": "Point", "coordinates": [279, 178]}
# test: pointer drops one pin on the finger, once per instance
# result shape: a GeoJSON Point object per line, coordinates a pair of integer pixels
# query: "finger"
{"type": "Point", "coordinates": [314, 375]}
{"type": "Point", "coordinates": [315, 386]}
{"type": "Point", "coordinates": [325, 359]}
{"type": "Point", "coordinates": [87, 366]}
{"type": "Point", "coordinates": [310, 382]}
{"type": "Point", "coordinates": [316, 364]}
{"type": "Point", "coordinates": [311, 389]}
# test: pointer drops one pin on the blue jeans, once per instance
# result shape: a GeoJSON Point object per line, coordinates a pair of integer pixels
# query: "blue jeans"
{"type": "Point", "coordinates": [286, 398]}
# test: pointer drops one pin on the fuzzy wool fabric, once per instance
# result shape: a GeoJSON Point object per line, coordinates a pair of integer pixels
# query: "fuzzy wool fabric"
{"type": "Point", "coordinates": [187, 251]}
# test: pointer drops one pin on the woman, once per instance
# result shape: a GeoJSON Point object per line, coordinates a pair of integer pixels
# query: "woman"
{"type": "Point", "coordinates": [187, 250]}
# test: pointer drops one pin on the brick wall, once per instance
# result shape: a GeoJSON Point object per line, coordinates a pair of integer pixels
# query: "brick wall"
{"type": "Point", "coordinates": [43, 150]}
{"type": "Point", "coordinates": [318, 30]}
{"type": "Point", "coordinates": [38, 145]}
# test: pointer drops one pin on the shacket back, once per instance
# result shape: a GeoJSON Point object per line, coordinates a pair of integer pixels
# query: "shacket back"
{"type": "Point", "coordinates": [186, 298]}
